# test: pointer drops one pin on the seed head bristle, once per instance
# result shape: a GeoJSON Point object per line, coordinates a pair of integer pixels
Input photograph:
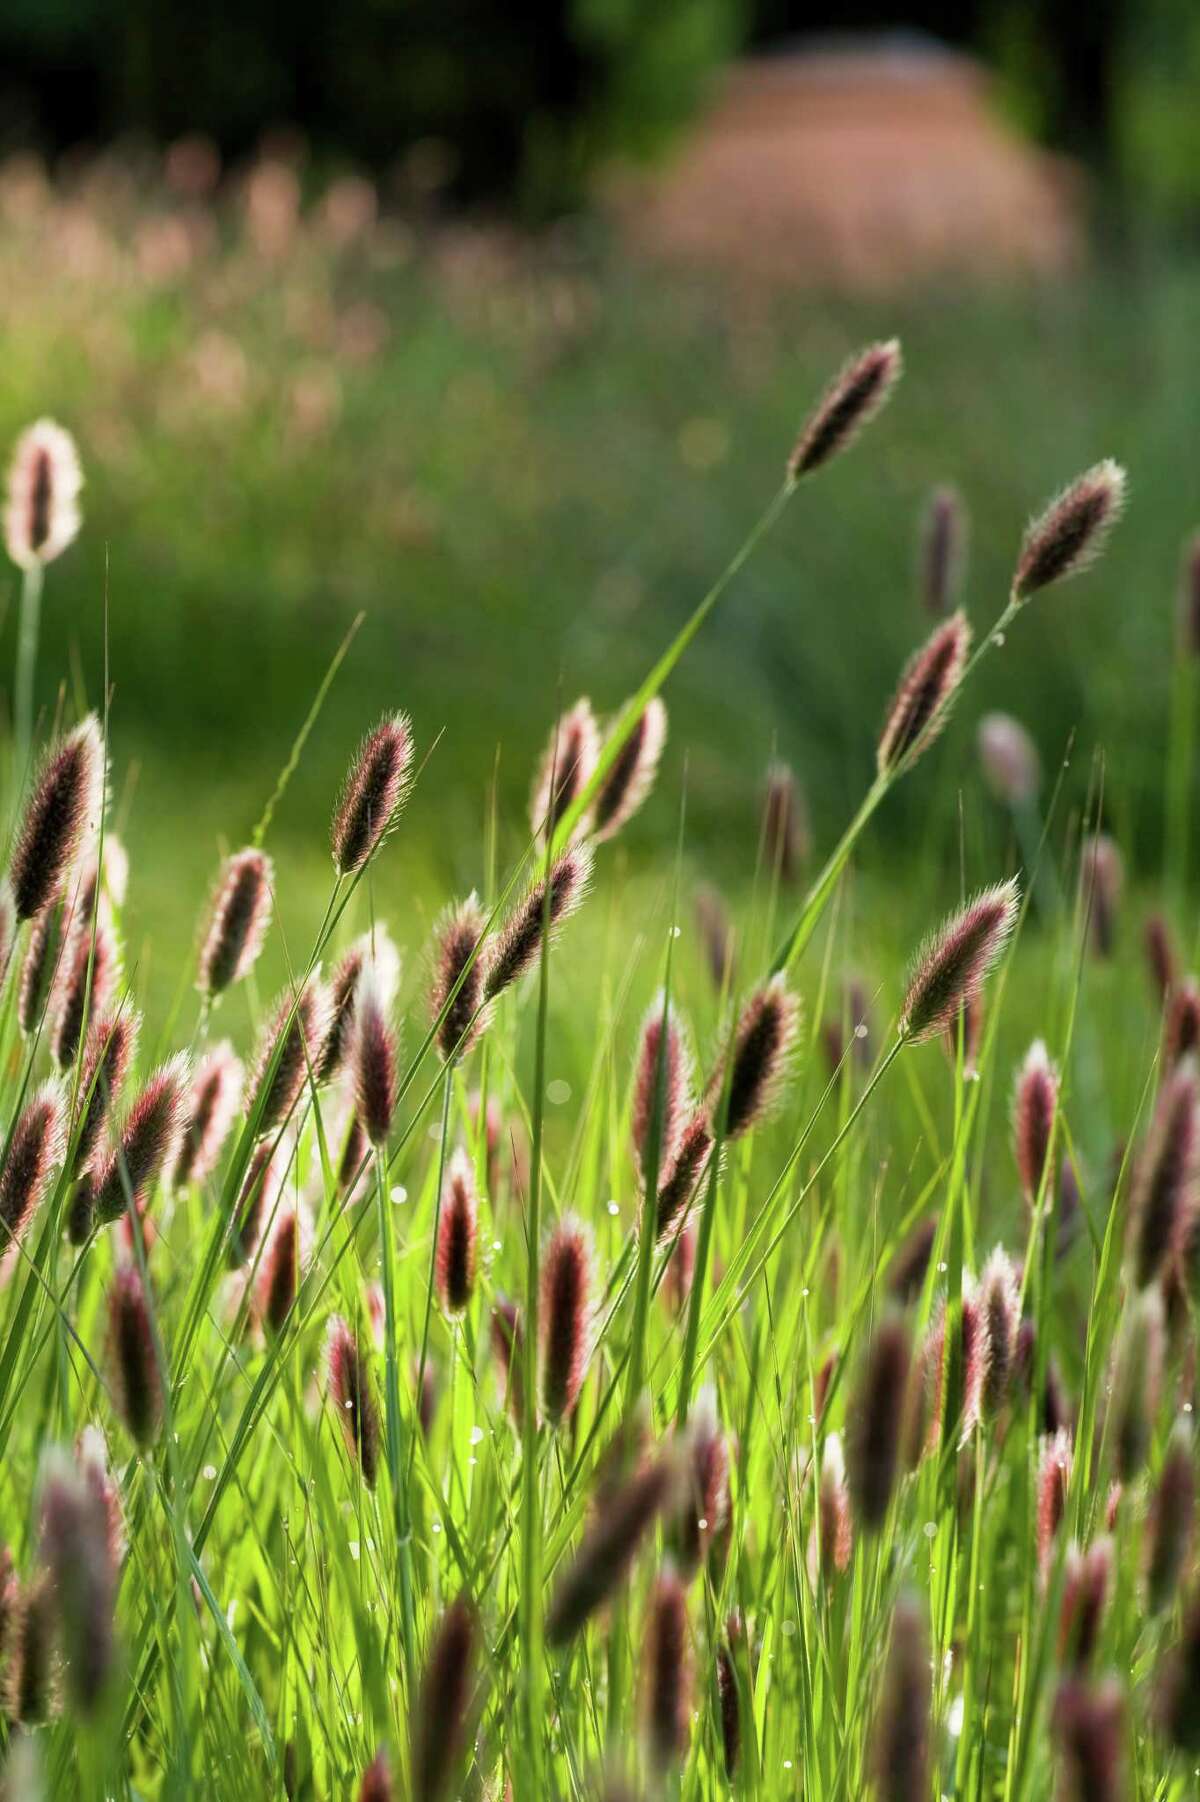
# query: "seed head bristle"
{"type": "Point", "coordinates": [1101, 879]}
{"type": "Point", "coordinates": [785, 828]}
{"type": "Point", "coordinates": [519, 942]}
{"type": "Point", "coordinates": [667, 1676]}
{"type": "Point", "coordinates": [900, 1740]}
{"type": "Point", "coordinates": [88, 980]}
{"type": "Point", "coordinates": [439, 1723]}
{"type": "Point", "coordinates": [46, 953]}
{"type": "Point", "coordinates": [906, 1273]}
{"type": "Point", "coordinates": [289, 1049]}
{"type": "Point", "coordinates": [567, 766]}
{"type": "Point", "coordinates": [137, 1378]}
{"type": "Point", "coordinates": [728, 1700]}
{"type": "Point", "coordinates": [74, 1538]}
{"type": "Point", "coordinates": [851, 401]}
{"type": "Point", "coordinates": [1070, 534]}
{"type": "Point", "coordinates": [41, 510]}
{"type": "Point", "coordinates": [62, 813]}
{"type": "Point", "coordinates": [921, 704]}
{"type": "Point", "coordinates": [763, 1045]}
{"type": "Point", "coordinates": [660, 1099]}
{"type": "Point", "coordinates": [372, 956]}
{"type": "Point", "coordinates": [632, 775]}
{"type": "Point", "coordinates": [91, 1456]}
{"type": "Point", "coordinates": [373, 1061]}
{"type": "Point", "coordinates": [239, 918]}
{"type": "Point", "coordinates": [373, 794]}
{"type": "Point", "coordinates": [353, 1399]}
{"type": "Point", "coordinates": [458, 949]}
{"type": "Point", "coordinates": [148, 1143]}
{"type": "Point", "coordinates": [875, 1421]}
{"type": "Point", "coordinates": [508, 1349]}
{"type": "Point", "coordinates": [1160, 958]}
{"type": "Point", "coordinates": [1053, 1481]}
{"type": "Point", "coordinates": [683, 1176]}
{"type": "Point", "coordinates": [1089, 1729]}
{"type": "Point", "coordinates": [1164, 1199]}
{"type": "Point", "coordinates": [1009, 760]}
{"type": "Point", "coordinates": [566, 1319]}
{"type": "Point", "coordinates": [36, 1149]}
{"type": "Point", "coordinates": [1170, 1524]}
{"type": "Point", "coordinates": [1034, 1105]}
{"type": "Point", "coordinates": [943, 548]}
{"type": "Point", "coordinates": [458, 1236]}
{"type": "Point", "coordinates": [212, 1106]}
{"type": "Point", "coordinates": [953, 963]}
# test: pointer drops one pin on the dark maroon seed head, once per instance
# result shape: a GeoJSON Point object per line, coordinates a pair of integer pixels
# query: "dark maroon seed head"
{"type": "Point", "coordinates": [458, 1237]}
{"type": "Point", "coordinates": [851, 401]}
{"type": "Point", "coordinates": [374, 791]}
{"type": "Point", "coordinates": [87, 982]}
{"type": "Point", "coordinates": [76, 1552]}
{"type": "Point", "coordinates": [460, 970]}
{"type": "Point", "coordinates": [440, 1719]}
{"type": "Point", "coordinates": [212, 1105]}
{"type": "Point", "coordinates": [1101, 879]}
{"type": "Point", "coordinates": [1182, 1034]}
{"type": "Point", "coordinates": [565, 1318]}
{"type": "Point", "coordinates": [279, 1271]}
{"type": "Point", "coordinates": [30, 1679]}
{"type": "Point", "coordinates": [567, 766]}
{"type": "Point", "coordinates": [762, 1049]}
{"type": "Point", "coordinates": [942, 550]}
{"type": "Point", "coordinates": [716, 935]}
{"type": "Point", "coordinates": [875, 1421]}
{"type": "Point", "coordinates": [900, 1740]}
{"type": "Point", "coordinates": [373, 1062]}
{"type": "Point", "coordinates": [1160, 958]}
{"type": "Point", "coordinates": [609, 1546]}
{"type": "Point", "coordinates": [353, 1400]}
{"type": "Point", "coordinates": [149, 1141]}
{"type": "Point", "coordinates": [256, 1202]}
{"type": "Point", "coordinates": [631, 777]}
{"type": "Point", "coordinates": [36, 1148]}
{"type": "Point", "coordinates": [684, 1174]}
{"type": "Point", "coordinates": [289, 1051]}
{"type": "Point", "coordinates": [906, 1274]}
{"type": "Point", "coordinates": [136, 1375]}
{"type": "Point", "coordinates": [666, 1665]}
{"type": "Point", "coordinates": [63, 809]}
{"type": "Point", "coordinates": [1089, 1729]}
{"type": "Point", "coordinates": [1035, 1102]}
{"type": "Point", "coordinates": [953, 963]}
{"type": "Point", "coordinates": [920, 705]}
{"type": "Point", "coordinates": [238, 922]}
{"type": "Point", "coordinates": [785, 824]}
{"type": "Point", "coordinates": [1165, 1183]}
{"type": "Point", "coordinates": [376, 1783]}
{"type": "Point", "coordinates": [519, 941]}
{"type": "Point", "coordinates": [661, 1087]}
{"type": "Point", "coordinates": [1169, 1528]}
{"type": "Point", "coordinates": [1070, 534]}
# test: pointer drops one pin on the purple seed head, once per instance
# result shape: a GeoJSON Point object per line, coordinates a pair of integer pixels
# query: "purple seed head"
{"type": "Point", "coordinates": [1160, 958]}
{"type": "Point", "coordinates": [137, 1379]}
{"type": "Point", "coordinates": [88, 979]}
{"type": "Point", "coordinates": [1086, 1585]}
{"type": "Point", "coordinates": [1189, 597]}
{"type": "Point", "coordinates": [289, 1049]}
{"type": "Point", "coordinates": [1169, 1528]}
{"type": "Point", "coordinates": [607, 1550]}
{"type": "Point", "coordinates": [567, 766]}
{"type": "Point", "coordinates": [30, 1681]}
{"type": "Point", "coordinates": [1009, 760]}
{"type": "Point", "coordinates": [62, 813]}
{"type": "Point", "coordinates": [460, 969]}
{"type": "Point", "coordinates": [1165, 1182]}
{"type": "Point", "coordinates": [900, 1751]}
{"type": "Point", "coordinates": [46, 952]}
{"type": "Point", "coordinates": [976, 1354]}
{"type": "Point", "coordinates": [1089, 1731]}
{"type": "Point", "coordinates": [36, 1149]}
{"type": "Point", "coordinates": [1053, 1479]}
{"type": "Point", "coordinates": [148, 1143]}
{"type": "Point", "coordinates": [239, 917]}
{"type": "Point", "coordinates": [279, 1269]}
{"type": "Point", "coordinates": [875, 1421]}
{"type": "Point", "coordinates": [704, 1509]}
{"type": "Point", "coordinates": [440, 1720]}
{"type": "Point", "coordinates": [376, 1783]}
{"type": "Point", "coordinates": [8, 926]}
{"type": "Point", "coordinates": [953, 963]}
{"type": "Point", "coordinates": [666, 1673]}
{"type": "Point", "coordinates": [785, 828]}
{"type": "Point", "coordinates": [352, 1398]}
{"type": "Point", "coordinates": [853, 398]}
{"type": "Point", "coordinates": [716, 935]}
{"type": "Point", "coordinates": [660, 1099]}
{"type": "Point", "coordinates": [41, 510]}
{"type": "Point", "coordinates": [74, 1535]}
{"type": "Point", "coordinates": [352, 1170]}
{"type": "Point", "coordinates": [372, 957]}
{"type": "Point", "coordinates": [373, 1062]}
{"type": "Point", "coordinates": [1181, 1035]}
{"type": "Point", "coordinates": [834, 1536]}
{"type": "Point", "coordinates": [1034, 1105]}
{"type": "Point", "coordinates": [942, 550]}
{"type": "Point", "coordinates": [212, 1107]}
{"type": "Point", "coordinates": [519, 941]}
{"type": "Point", "coordinates": [728, 1700]}
{"type": "Point", "coordinates": [1137, 1384]}
{"type": "Point", "coordinates": [763, 1045]}
{"type": "Point", "coordinates": [632, 775]}
{"type": "Point", "coordinates": [682, 1178]}
{"type": "Point", "coordinates": [91, 1455]}
{"type": "Point", "coordinates": [258, 1200]}
{"type": "Point", "coordinates": [921, 704]}
{"type": "Point", "coordinates": [999, 1300]}
{"type": "Point", "coordinates": [566, 1317]}
{"type": "Point", "coordinates": [458, 1237]}
{"type": "Point", "coordinates": [1101, 879]}
{"type": "Point", "coordinates": [508, 1349]}
{"type": "Point", "coordinates": [375, 790]}
{"type": "Point", "coordinates": [1070, 534]}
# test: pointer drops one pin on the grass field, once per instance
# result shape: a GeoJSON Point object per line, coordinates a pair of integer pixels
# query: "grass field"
{"type": "Point", "coordinates": [862, 1461]}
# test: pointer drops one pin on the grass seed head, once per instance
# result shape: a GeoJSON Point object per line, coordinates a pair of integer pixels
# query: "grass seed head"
{"type": "Point", "coordinates": [856, 394]}
{"type": "Point", "coordinates": [352, 1398]}
{"type": "Point", "coordinates": [1069, 536]}
{"type": "Point", "coordinates": [921, 704]}
{"type": "Point", "coordinates": [41, 511]}
{"type": "Point", "coordinates": [566, 1317]}
{"type": "Point", "coordinates": [373, 1062]}
{"type": "Point", "coordinates": [666, 1673]}
{"type": "Point", "coordinates": [280, 1267]}
{"type": "Point", "coordinates": [1164, 1199]}
{"type": "Point", "coordinates": [376, 1785]}
{"type": "Point", "coordinates": [567, 766]}
{"type": "Point", "coordinates": [460, 969]}
{"type": "Point", "coordinates": [704, 1508]}
{"type": "Point", "coordinates": [1160, 957]}
{"type": "Point", "coordinates": [519, 941]}
{"type": "Point", "coordinates": [953, 963]}
{"type": "Point", "coordinates": [1137, 1384]}
{"type": "Point", "coordinates": [900, 1750]}
{"type": "Point", "coordinates": [1101, 879]}
{"type": "Point", "coordinates": [257, 1201]}
{"type": "Point", "coordinates": [239, 918]}
{"type": "Point", "coordinates": [31, 1677]}
{"type": "Point", "coordinates": [148, 1142]}
{"type": "Point", "coordinates": [36, 1149]}
{"type": "Point", "coordinates": [137, 1379]}
{"type": "Point", "coordinates": [728, 1701]}
{"type": "Point", "coordinates": [716, 935]}
{"type": "Point", "coordinates": [439, 1725]}
{"type": "Point", "coordinates": [629, 781]}
{"type": "Point", "coordinates": [1086, 1585]}
{"type": "Point", "coordinates": [875, 1421]}
{"type": "Point", "coordinates": [74, 1538]}
{"type": "Point", "coordinates": [88, 981]}
{"type": "Point", "coordinates": [1181, 1036]}
{"type": "Point", "coordinates": [943, 548]}
{"type": "Point", "coordinates": [1009, 759]}
{"type": "Point", "coordinates": [999, 1297]}
{"type": "Point", "coordinates": [1034, 1105]}
{"type": "Point", "coordinates": [1089, 1731]}
{"type": "Point", "coordinates": [376, 788]}
{"type": "Point", "coordinates": [785, 828]}
{"type": "Point", "coordinates": [1170, 1523]}
{"type": "Point", "coordinates": [662, 1100]}
{"type": "Point", "coordinates": [61, 815]}
{"type": "Point", "coordinates": [289, 1050]}
{"type": "Point", "coordinates": [610, 1544]}
{"type": "Point", "coordinates": [212, 1107]}
{"type": "Point", "coordinates": [458, 1237]}
{"type": "Point", "coordinates": [763, 1046]}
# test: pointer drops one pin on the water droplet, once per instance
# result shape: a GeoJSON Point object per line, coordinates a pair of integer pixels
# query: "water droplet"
{"type": "Point", "coordinates": [943, 1266]}
{"type": "Point", "coordinates": [614, 1208]}
{"type": "Point", "coordinates": [398, 1195]}
{"type": "Point", "coordinates": [860, 1031]}
{"type": "Point", "coordinates": [437, 1526]}
{"type": "Point", "coordinates": [677, 932]}
{"type": "Point", "coordinates": [209, 1473]}
{"type": "Point", "coordinates": [558, 1092]}
{"type": "Point", "coordinates": [702, 1524]}
{"type": "Point", "coordinates": [998, 640]}
{"type": "Point", "coordinates": [355, 1548]}
{"type": "Point", "coordinates": [476, 1435]}
{"type": "Point", "coordinates": [497, 1245]}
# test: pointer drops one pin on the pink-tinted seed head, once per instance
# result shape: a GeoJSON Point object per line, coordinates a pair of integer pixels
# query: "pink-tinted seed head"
{"type": "Point", "coordinates": [257, 1201]}
{"type": "Point", "coordinates": [279, 1268]}
{"type": "Point", "coordinates": [953, 963]}
{"type": "Point", "coordinates": [999, 1299]}
{"type": "Point", "coordinates": [942, 550]}
{"type": "Point", "coordinates": [375, 790]}
{"type": "Point", "coordinates": [74, 1538]}
{"type": "Point", "coordinates": [508, 1349]}
{"type": "Point", "coordinates": [1087, 1581]}
{"type": "Point", "coordinates": [976, 1355]}
{"type": "Point", "coordinates": [1009, 760]}
{"type": "Point", "coordinates": [716, 935]}
{"type": "Point", "coordinates": [212, 1107]}
{"type": "Point", "coordinates": [759, 1062]}
{"type": "Point", "coordinates": [148, 1143]}
{"type": "Point", "coordinates": [856, 394]}
{"type": "Point", "coordinates": [36, 1149]}
{"type": "Point", "coordinates": [41, 510]}
{"type": "Point", "coordinates": [61, 815]}
{"type": "Point", "coordinates": [607, 1550]}
{"type": "Point", "coordinates": [728, 1700]}
{"type": "Point", "coordinates": [372, 957]}
{"type": "Point", "coordinates": [704, 1510]}
{"type": "Point", "coordinates": [88, 981]}
{"type": "Point", "coordinates": [834, 1539]}
{"type": "Point", "coordinates": [239, 919]}
{"type": "Point", "coordinates": [906, 1273]}
{"type": "Point", "coordinates": [1053, 1481]}
{"type": "Point", "coordinates": [683, 1176]}
{"type": "Point", "coordinates": [352, 1398]}
{"type": "Point", "coordinates": [137, 1378]}
{"type": "Point", "coordinates": [1160, 957]}
{"type": "Point", "coordinates": [460, 968]}
{"type": "Point", "coordinates": [667, 1673]}
{"type": "Point", "coordinates": [1035, 1103]}
{"type": "Point", "coordinates": [519, 941]}
{"type": "Point", "coordinates": [1181, 1035]}
{"type": "Point", "coordinates": [458, 1236]}
{"type": "Point", "coordinates": [373, 1062]}
{"type": "Point", "coordinates": [875, 1420]}
{"type": "Point", "coordinates": [30, 1679]}
{"type": "Point", "coordinates": [91, 1455]}
{"type": "Point", "coordinates": [661, 1087]}
{"type": "Point", "coordinates": [566, 1317]}
{"type": "Point", "coordinates": [1101, 880]}
{"type": "Point", "coordinates": [1189, 597]}
{"type": "Point", "coordinates": [46, 952]}
{"type": "Point", "coordinates": [289, 1052]}
{"type": "Point", "coordinates": [900, 1752]}
{"type": "Point", "coordinates": [1137, 1384]}
{"type": "Point", "coordinates": [567, 767]}
{"type": "Point", "coordinates": [440, 1719]}
{"type": "Point", "coordinates": [921, 704]}
{"type": "Point", "coordinates": [1070, 534]}
{"type": "Point", "coordinates": [376, 1785]}
{"type": "Point", "coordinates": [356, 1148]}
{"type": "Point", "coordinates": [632, 774]}
{"type": "Point", "coordinates": [1089, 1730]}
{"type": "Point", "coordinates": [785, 828]}
{"type": "Point", "coordinates": [1164, 1197]}
{"type": "Point", "coordinates": [1170, 1524]}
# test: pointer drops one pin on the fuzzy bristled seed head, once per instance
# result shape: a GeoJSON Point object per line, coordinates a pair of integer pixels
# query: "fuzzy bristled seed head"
{"type": "Point", "coordinates": [47, 950]}
{"type": "Point", "coordinates": [74, 1537]}
{"type": "Point", "coordinates": [704, 1509]}
{"type": "Point", "coordinates": [373, 1062]}
{"type": "Point", "coordinates": [41, 509]}
{"type": "Point", "coordinates": [875, 1421]}
{"type": "Point", "coordinates": [371, 957]}
{"type": "Point", "coordinates": [30, 1680]}
{"type": "Point", "coordinates": [91, 1456]}
{"type": "Point", "coordinates": [1034, 1105]}
{"type": "Point", "coordinates": [942, 550]}
{"type": "Point", "coordinates": [1170, 1523]}
{"type": "Point", "coordinates": [833, 1539]}
{"type": "Point", "coordinates": [62, 812]}
{"type": "Point", "coordinates": [921, 704]}
{"type": "Point", "coordinates": [953, 963]}
{"type": "Point", "coordinates": [460, 969]}
{"type": "Point", "coordinates": [212, 1106]}
{"type": "Point", "coordinates": [607, 1550]}
{"type": "Point", "coordinates": [728, 1700]}
{"type": "Point", "coordinates": [1053, 1481]}
{"type": "Point", "coordinates": [239, 918]}
{"type": "Point", "coordinates": [566, 1317]}
{"type": "Point", "coordinates": [785, 829]}
{"type": "Point", "coordinates": [566, 768]}
{"type": "Point", "coordinates": [519, 941]}
{"type": "Point", "coordinates": [87, 984]}
{"type": "Point", "coordinates": [352, 1398]}
{"type": "Point", "coordinates": [716, 935]}
{"type": "Point", "coordinates": [279, 1268]}
{"type": "Point", "coordinates": [458, 1237]}
{"type": "Point", "coordinates": [1137, 1384]}
{"type": "Point", "coordinates": [356, 1151]}
{"type": "Point", "coordinates": [1089, 1730]}
{"type": "Point", "coordinates": [440, 1718]}
{"type": "Point", "coordinates": [999, 1301]}
{"type": "Point", "coordinates": [758, 1065]}
{"type": "Point", "coordinates": [376, 1785]}
{"type": "Point", "coordinates": [258, 1200]}
{"type": "Point", "coordinates": [1070, 534]}
{"type": "Point", "coordinates": [1008, 758]}
{"type": "Point", "coordinates": [137, 1379]}
{"type": "Point", "coordinates": [1087, 1581]}
{"type": "Point", "coordinates": [375, 790]}
{"type": "Point", "coordinates": [148, 1142]}
{"type": "Point", "coordinates": [631, 777]}
{"type": "Point", "coordinates": [1101, 880]}
{"type": "Point", "coordinates": [1181, 1035]}
{"type": "Point", "coordinates": [662, 1082]}
{"type": "Point", "coordinates": [1189, 597]}
{"type": "Point", "coordinates": [1160, 957]}
{"type": "Point", "coordinates": [976, 1355]}
{"type": "Point", "coordinates": [1165, 1185]}
{"type": "Point", "coordinates": [289, 1049]}
{"type": "Point", "coordinates": [36, 1148]}
{"type": "Point", "coordinates": [508, 1348]}
{"type": "Point", "coordinates": [856, 394]}
{"type": "Point", "coordinates": [667, 1673]}
{"type": "Point", "coordinates": [682, 1179]}
{"type": "Point", "coordinates": [900, 1753]}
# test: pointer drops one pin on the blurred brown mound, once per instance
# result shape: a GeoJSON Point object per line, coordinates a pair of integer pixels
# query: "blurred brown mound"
{"type": "Point", "coordinates": [858, 165]}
